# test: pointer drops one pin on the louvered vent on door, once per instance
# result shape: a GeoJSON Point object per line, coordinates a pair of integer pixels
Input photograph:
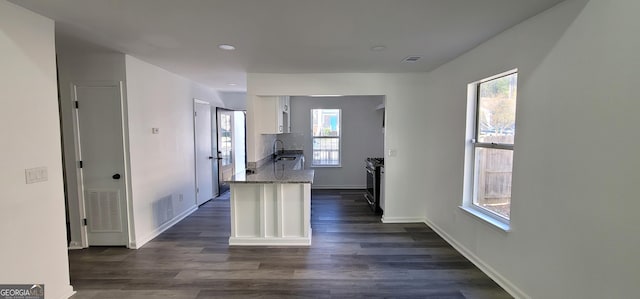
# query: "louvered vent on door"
{"type": "Point", "coordinates": [104, 213]}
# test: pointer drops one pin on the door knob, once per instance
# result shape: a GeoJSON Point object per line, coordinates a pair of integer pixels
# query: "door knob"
{"type": "Point", "coordinates": [210, 158]}
{"type": "Point", "coordinates": [116, 176]}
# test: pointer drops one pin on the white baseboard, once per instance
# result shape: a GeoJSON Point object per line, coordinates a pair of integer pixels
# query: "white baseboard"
{"type": "Point", "coordinates": [75, 245]}
{"type": "Point", "coordinates": [339, 187]}
{"type": "Point", "coordinates": [284, 241]}
{"type": "Point", "coordinates": [140, 242]}
{"type": "Point", "coordinates": [250, 241]}
{"type": "Point", "coordinates": [492, 273]}
{"type": "Point", "coordinates": [70, 292]}
{"type": "Point", "coordinates": [402, 219]}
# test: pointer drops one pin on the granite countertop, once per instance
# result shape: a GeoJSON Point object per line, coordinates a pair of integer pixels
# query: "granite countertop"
{"type": "Point", "coordinates": [283, 172]}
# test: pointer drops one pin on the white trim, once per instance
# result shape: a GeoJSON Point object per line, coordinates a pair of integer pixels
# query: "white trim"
{"type": "Point", "coordinates": [279, 211]}
{"type": "Point", "coordinates": [339, 137]}
{"type": "Point", "coordinates": [141, 241]}
{"type": "Point", "coordinates": [470, 187]}
{"type": "Point", "coordinates": [507, 285]}
{"type": "Point", "coordinates": [503, 74]}
{"type": "Point", "coordinates": [196, 101]}
{"type": "Point", "coordinates": [78, 157]}
{"type": "Point", "coordinates": [70, 292]}
{"type": "Point", "coordinates": [402, 219]}
{"type": "Point", "coordinates": [258, 241]}
{"type": "Point", "coordinates": [74, 245]}
{"type": "Point", "coordinates": [129, 231]}
{"type": "Point", "coordinates": [233, 208]}
{"type": "Point", "coordinates": [341, 187]}
{"type": "Point", "coordinates": [491, 220]}
{"type": "Point", "coordinates": [306, 210]}
{"type": "Point", "coordinates": [194, 116]}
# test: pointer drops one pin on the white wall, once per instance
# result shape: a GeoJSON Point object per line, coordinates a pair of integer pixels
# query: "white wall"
{"type": "Point", "coordinates": [403, 125]}
{"type": "Point", "coordinates": [234, 100]}
{"type": "Point", "coordinates": [362, 137]}
{"type": "Point", "coordinates": [574, 223]}
{"type": "Point", "coordinates": [162, 165]}
{"type": "Point", "coordinates": [79, 62]}
{"type": "Point", "coordinates": [168, 106]}
{"type": "Point", "coordinates": [239, 144]}
{"type": "Point", "coordinates": [575, 227]}
{"type": "Point", "coordinates": [32, 218]}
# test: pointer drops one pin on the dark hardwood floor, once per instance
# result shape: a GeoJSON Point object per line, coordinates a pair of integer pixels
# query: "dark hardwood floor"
{"type": "Point", "coordinates": [353, 255]}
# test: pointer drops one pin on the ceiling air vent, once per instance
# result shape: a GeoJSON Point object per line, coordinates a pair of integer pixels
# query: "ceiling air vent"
{"type": "Point", "coordinates": [411, 59]}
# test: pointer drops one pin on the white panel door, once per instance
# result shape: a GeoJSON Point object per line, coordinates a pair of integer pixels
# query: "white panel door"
{"type": "Point", "coordinates": [101, 149]}
{"type": "Point", "coordinates": [203, 133]}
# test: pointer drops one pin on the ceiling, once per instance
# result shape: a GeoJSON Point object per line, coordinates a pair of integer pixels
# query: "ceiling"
{"type": "Point", "coordinates": [285, 36]}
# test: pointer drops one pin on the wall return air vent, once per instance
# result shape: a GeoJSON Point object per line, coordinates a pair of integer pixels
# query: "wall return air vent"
{"type": "Point", "coordinates": [411, 59]}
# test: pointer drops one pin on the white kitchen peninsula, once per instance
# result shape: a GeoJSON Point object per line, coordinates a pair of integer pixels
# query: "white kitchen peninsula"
{"type": "Point", "coordinates": [272, 207]}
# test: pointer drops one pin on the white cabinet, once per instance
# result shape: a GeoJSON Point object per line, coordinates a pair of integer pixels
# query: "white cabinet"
{"type": "Point", "coordinates": [272, 114]}
{"type": "Point", "coordinates": [285, 104]}
{"type": "Point", "coordinates": [270, 214]}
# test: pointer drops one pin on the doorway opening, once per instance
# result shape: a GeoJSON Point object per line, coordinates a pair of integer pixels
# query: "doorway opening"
{"type": "Point", "coordinates": [101, 171]}
{"type": "Point", "coordinates": [231, 141]}
{"type": "Point", "coordinates": [206, 189]}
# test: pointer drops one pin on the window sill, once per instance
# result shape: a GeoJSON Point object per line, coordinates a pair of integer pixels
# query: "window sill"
{"type": "Point", "coordinates": [505, 227]}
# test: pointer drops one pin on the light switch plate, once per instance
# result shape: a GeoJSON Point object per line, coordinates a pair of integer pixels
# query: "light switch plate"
{"type": "Point", "coordinates": [392, 153]}
{"type": "Point", "coordinates": [36, 175]}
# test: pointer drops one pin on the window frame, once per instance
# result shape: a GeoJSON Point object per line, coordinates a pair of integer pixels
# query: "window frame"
{"type": "Point", "coordinates": [339, 138]}
{"type": "Point", "coordinates": [473, 131]}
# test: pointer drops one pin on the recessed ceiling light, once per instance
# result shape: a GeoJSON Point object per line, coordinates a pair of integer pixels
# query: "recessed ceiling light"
{"type": "Point", "coordinates": [232, 84]}
{"type": "Point", "coordinates": [378, 48]}
{"type": "Point", "coordinates": [226, 47]}
{"type": "Point", "coordinates": [325, 95]}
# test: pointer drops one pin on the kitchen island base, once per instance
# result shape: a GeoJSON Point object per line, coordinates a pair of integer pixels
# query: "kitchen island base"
{"type": "Point", "coordinates": [270, 214]}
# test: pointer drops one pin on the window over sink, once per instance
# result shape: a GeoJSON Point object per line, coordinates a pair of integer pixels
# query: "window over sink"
{"type": "Point", "coordinates": [325, 132]}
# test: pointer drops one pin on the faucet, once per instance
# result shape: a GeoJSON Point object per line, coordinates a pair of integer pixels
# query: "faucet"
{"type": "Point", "coordinates": [275, 143]}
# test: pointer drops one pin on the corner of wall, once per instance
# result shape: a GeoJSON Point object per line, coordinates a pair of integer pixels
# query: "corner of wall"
{"type": "Point", "coordinates": [505, 283]}
{"type": "Point", "coordinates": [156, 232]}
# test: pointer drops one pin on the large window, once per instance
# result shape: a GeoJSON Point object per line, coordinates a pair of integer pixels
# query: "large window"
{"type": "Point", "coordinates": [492, 142]}
{"type": "Point", "coordinates": [325, 131]}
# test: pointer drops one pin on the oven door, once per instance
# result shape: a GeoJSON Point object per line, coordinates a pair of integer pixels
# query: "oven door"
{"type": "Point", "coordinates": [370, 186]}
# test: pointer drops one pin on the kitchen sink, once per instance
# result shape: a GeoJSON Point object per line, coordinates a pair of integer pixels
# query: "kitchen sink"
{"type": "Point", "coordinates": [286, 158]}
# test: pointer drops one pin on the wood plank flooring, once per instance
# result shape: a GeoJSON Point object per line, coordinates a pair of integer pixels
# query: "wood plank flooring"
{"type": "Point", "coordinates": [353, 255]}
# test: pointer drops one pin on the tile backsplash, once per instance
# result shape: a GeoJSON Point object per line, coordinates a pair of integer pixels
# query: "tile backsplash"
{"type": "Point", "coordinates": [293, 141]}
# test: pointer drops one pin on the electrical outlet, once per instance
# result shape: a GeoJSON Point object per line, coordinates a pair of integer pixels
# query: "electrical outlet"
{"type": "Point", "coordinates": [36, 175]}
{"type": "Point", "coordinates": [180, 197]}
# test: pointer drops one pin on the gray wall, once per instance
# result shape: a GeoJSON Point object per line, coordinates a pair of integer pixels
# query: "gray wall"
{"type": "Point", "coordinates": [362, 137]}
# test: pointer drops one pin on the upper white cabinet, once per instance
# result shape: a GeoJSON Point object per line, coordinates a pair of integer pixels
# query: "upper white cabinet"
{"type": "Point", "coordinates": [285, 102]}
{"type": "Point", "coordinates": [272, 114]}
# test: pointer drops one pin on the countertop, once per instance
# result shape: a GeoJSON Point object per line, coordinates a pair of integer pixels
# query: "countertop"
{"type": "Point", "coordinates": [283, 172]}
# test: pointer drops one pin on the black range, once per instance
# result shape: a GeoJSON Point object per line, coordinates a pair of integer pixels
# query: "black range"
{"type": "Point", "coordinates": [373, 167]}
